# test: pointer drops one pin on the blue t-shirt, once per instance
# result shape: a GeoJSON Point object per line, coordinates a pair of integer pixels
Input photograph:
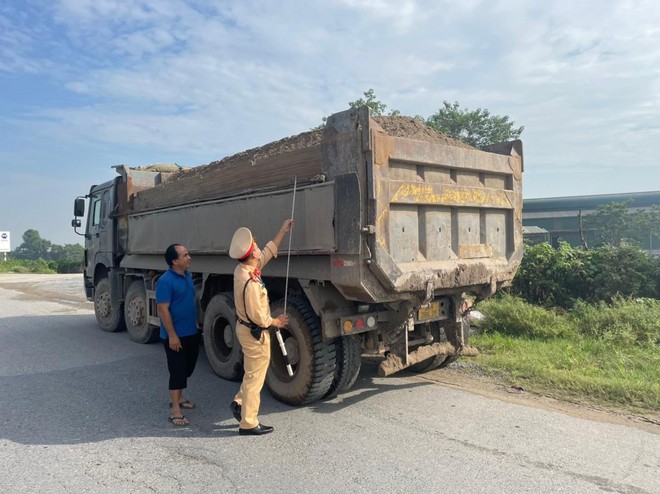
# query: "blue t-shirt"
{"type": "Point", "coordinates": [179, 291]}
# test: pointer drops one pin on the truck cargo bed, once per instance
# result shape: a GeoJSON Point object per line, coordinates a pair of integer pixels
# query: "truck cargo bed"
{"type": "Point", "coordinates": [388, 207]}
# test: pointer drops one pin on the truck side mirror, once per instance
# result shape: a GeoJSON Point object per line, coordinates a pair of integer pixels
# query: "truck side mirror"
{"type": "Point", "coordinates": [79, 207]}
{"type": "Point", "coordinates": [75, 223]}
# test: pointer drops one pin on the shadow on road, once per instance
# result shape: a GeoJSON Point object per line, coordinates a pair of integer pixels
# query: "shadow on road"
{"type": "Point", "coordinates": [63, 381]}
{"type": "Point", "coordinates": [367, 385]}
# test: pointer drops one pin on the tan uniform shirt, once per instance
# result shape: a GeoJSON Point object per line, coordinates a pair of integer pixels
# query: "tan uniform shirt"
{"type": "Point", "coordinates": [256, 295]}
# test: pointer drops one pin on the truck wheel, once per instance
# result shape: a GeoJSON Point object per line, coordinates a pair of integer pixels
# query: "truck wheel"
{"type": "Point", "coordinates": [312, 360]}
{"type": "Point", "coordinates": [108, 319]}
{"type": "Point", "coordinates": [349, 361]}
{"type": "Point", "coordinates": [429, 363]}
{"type": "Point", "coordinates": [135, 315]}
{"type": "Point", "coordinates": [222, 347]}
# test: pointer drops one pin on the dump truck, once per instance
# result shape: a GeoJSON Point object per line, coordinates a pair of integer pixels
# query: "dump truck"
{"type": "Point", "coordinates": [396, 226]}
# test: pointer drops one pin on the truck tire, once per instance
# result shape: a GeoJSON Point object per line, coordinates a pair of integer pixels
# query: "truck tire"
{"type": "Point", "coordinates": [222, 347]}
{"type": "Point", "coordinates": [437, 360]}
{"type": "Point", "coordinates": [108, 319]}
{"type": "Point", "coordinates": [429, 363]}
{"type": "Point", "coordinates": [349, 362]}
{"type": "Point", "coordinates": [312, 359]}
{"type": "Point", "coordinates": [135, 315]}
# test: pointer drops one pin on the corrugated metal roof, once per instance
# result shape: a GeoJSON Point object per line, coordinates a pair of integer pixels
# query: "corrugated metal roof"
{"type": "Point", "coordinates": [637, 200]}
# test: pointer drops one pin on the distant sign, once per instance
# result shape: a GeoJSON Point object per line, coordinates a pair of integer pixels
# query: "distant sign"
{"type": "Point", "coordinates": [4, 242]}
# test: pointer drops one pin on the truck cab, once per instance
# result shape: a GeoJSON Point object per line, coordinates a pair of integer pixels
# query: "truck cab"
{"type": "Point", "coordinates": [100, 233]}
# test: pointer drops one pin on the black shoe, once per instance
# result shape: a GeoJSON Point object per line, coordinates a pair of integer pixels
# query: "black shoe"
{"type": "Point", "coordinates": [257, 431]}
{"type": "Point", "coordinates": [236, 410]}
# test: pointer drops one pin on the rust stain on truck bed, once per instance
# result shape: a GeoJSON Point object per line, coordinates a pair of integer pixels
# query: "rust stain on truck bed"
{"type": "Point", "coordinates": [412, 193]}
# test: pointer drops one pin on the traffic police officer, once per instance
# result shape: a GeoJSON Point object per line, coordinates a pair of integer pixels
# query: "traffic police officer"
{"type": "Point", "coordinates": [254, 319]}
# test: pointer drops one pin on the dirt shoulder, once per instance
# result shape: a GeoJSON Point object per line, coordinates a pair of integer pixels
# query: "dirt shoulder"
{"type": "Point", "coordinates": [469, 377]}
{"type": "Point", "coordinates": [51, 287]}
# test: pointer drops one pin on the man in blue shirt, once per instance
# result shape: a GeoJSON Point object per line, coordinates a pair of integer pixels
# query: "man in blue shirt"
{"type": "Point", "coordinates": [175, 297]}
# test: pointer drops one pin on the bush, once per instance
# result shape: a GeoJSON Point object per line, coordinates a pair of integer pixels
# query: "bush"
{"type": "Point", "coordinates": [625, 270]}
{"type": "Point", "coordinates": [65, 266]}
{"type": "Point", "coordinates": [560, 277]}
{"type": "Point", "coordinates": [25, 267]}
{"type": "Point", "coordinates": [548, 276]}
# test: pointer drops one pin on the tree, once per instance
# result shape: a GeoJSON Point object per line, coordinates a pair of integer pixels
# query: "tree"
{"type": "Point", "coordinates": [370, 100]}
{"type": "Point", "coordinates": [33, 247]}
{"type": "Point", "coordinates": [68, 252]}
{"type": "Point", "coordinates": [63, 259]}
{"type": "Point", "coordinates": [478, 128]}
{"type": "Point", "coordinates": [615, 224]}
{"type": "Point", "coordinates": [68, 259]}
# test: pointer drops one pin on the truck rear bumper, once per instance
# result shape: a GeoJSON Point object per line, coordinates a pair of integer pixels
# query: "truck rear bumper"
{"type": "Point", "coordinates": [393, 363]}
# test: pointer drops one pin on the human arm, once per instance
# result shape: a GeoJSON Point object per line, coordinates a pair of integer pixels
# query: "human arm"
{"type": "Point", "coordinates": [166, 319]}
{"type": "Point", "coordinates": [286, 227]}
{"type": "Point", "coordinates": [271, 248]}
{"type": "Point", "coordinates": [258, 310]}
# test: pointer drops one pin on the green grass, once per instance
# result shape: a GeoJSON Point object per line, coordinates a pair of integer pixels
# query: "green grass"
{"type": "Point", "coordinates": [607, 355]}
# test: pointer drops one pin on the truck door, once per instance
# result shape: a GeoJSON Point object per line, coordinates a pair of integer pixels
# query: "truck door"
{"type": "Point", "coordinates": [99, 241]}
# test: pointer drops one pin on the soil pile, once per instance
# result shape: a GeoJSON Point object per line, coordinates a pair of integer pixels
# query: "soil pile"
{"type": "Point", "coordinates": [413, 128]}
{"type": "Point", "coordinates": [397, 126]}
{"type": "Point", "coordinates": [299, 155]}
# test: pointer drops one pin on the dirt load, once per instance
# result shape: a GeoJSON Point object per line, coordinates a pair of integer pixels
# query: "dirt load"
{"type": "Point", "coordinates": [299, 155]}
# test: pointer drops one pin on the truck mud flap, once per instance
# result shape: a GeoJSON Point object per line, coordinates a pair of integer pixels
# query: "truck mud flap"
{"type": "Point", "coordinates": [393, 363]}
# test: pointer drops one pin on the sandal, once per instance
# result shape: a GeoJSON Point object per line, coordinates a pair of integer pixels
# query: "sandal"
{"type": "Point", "coordinates": [179, 420]}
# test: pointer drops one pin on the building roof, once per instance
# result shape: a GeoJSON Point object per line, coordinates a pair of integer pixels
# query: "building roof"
{"type": "Point", "coordinates": [533, 229]}
{"type": "Point", "coordinates": [636, 199]}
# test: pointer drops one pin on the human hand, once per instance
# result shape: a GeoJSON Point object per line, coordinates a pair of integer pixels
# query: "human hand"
{"type": "Point", "coordinates": [175, 343]}
{"type": "Point", "coordinates": [282, 321]}
{"type": "Point", "coordinates": [287, 225]}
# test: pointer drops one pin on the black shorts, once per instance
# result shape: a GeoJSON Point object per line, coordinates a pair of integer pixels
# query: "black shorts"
{"type": "Point", "coordinates": [181, 364]}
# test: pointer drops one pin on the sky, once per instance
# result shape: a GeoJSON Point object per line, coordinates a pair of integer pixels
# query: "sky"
{"type": "Point", "coordinates": [89, 84]}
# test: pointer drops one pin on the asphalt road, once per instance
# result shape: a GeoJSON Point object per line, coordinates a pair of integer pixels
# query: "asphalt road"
{"type": "Point", "coordinates": [83, 410]}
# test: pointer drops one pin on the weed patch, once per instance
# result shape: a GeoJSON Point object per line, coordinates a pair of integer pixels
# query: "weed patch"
{"type": "Point", "coordinates": [605, 354]}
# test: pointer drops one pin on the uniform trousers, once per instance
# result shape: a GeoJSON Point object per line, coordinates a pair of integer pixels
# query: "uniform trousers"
{"type": "Point", "coordinates": [255, 363]}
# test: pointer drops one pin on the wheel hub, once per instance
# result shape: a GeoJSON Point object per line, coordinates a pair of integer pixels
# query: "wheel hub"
{"type": "Point", "coordinates": [228, 336]}
{"type": "Point", "coordinates": [136, 312]}
{"type": "Point", "coordinates": [103, 305]}
{"type": "Point", "coordinates": [292, 350]}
